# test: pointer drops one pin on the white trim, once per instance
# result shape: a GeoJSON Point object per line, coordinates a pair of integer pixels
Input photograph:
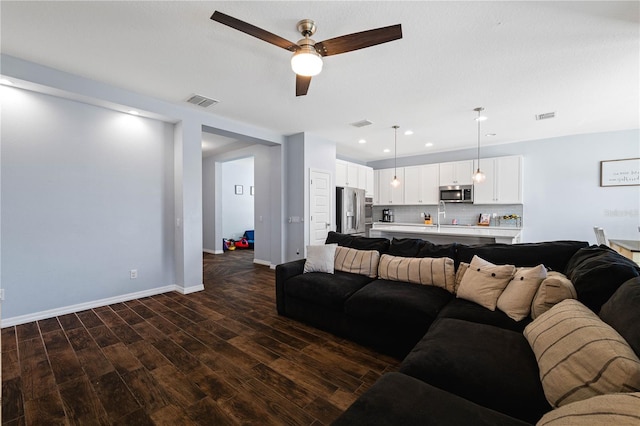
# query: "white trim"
{"type": "Point", "coordinates": [50, 313]}
{"type": "Point", "coordinates": [272, 266]}
{"type": "Point", "coordinates": [188, 290]}
{"type": "Point", "coordinates": [209, 251]}
{"type": "Point", "coordinates": [262, 262]}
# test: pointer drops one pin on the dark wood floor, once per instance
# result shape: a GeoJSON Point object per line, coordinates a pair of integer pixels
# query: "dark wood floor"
{"type": "Point", "coordinates": [222, 356]}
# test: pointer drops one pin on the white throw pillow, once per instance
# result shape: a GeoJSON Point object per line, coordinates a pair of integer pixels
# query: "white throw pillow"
{"type": "Point", "coordinates": [320, 258]}
{"type": "Point", "coordinates": [483, 282]}
{"type": "Point", "coordinates": [515, 300]}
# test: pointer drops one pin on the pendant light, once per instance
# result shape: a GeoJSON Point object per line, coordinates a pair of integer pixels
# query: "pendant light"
{"type": "Point", "coordinates": [478, 176]}
{"type": "Point", "coordinates": [395, 182]}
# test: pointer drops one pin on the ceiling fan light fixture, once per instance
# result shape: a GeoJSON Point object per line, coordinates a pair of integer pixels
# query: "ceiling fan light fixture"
{"type": "Point", "coordinates": [306, 61]}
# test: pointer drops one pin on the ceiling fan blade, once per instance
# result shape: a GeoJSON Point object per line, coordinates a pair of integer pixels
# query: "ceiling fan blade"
{"type": "Point", "coordinates": [355, 41]}
{"type": "Point", "coordinates": [302, 85]}
{"type": "Point", "coordinates": [254, 31]}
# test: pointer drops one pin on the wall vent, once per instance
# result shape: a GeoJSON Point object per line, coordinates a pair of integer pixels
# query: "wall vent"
{"type": "Point", "coordinates": [362, 123]}
{"type": "Point", "coordinates": [545, 116]}
{"type": "Point", "coordinates": [202, 101]}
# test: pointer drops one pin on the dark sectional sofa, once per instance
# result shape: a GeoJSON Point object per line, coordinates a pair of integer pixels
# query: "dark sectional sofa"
{"type": "Point", "coordinates": [461, 363]}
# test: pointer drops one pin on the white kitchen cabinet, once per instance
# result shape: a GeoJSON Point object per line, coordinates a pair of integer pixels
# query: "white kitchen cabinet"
{"type": "Point", "coordinates": [456, 173]}
{"type": "Point", "coordinates": [503, 183]}
{"type": "Point", "coordinates": [369, 187]}
{"type": "Point", "coordinates": [421, 184]}
{"type": "Point", "coordinates": [387, 193]}
{"type": "Point", "coordinates": [354, 175]}
{"type": "Point", "coordinates": [341, 173]}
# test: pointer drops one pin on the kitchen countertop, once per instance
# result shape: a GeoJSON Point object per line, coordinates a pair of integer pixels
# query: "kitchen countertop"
{"type": "Point", "coordinates": [497, 233]}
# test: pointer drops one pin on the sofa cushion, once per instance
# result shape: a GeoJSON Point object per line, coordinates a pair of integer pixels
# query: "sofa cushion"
{"type": "Point", "coordinates": [484, 282]}
{"type": "Point", "coordinates": [438, 250]}
{"type": "Point", "coordinates": [362, 262]}
{"type": "Point", "coordinates": [597, 272]}
{"type": "Point", "coordinates": [406, 247]}
{"type": "Point", "coordinates": [320, 258]}
{"type": "Point", "coordinates": [553, 290]}
{"type": "Point", "coordinates": [622, 312]}
{"type": "Point", "coordinates": [579, 355]}
{"type": "Point", "coordinates": [398, 399]}
{"type": "Point", "coordinates": [613, 409]}
{"type": "Point", "coordinates": [396, 302]}
{"type": "Point", "coordinates": [553, 255]}
{"type": "Point", "coordinates": [487, 365]}
{"type": "Point", "coordinates": [470, 311]}
{"type": "Point", "coordinates": [516, 299]}
{"type": "Point", "coordinates": [330, 290]}
{"type": "Point", "coordinates": [360, 243]}
{"type": "Point", "coordinates": [438, 272]}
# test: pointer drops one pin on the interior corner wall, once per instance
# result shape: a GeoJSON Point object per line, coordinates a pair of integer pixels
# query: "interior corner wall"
{"type": "Point", "coordinates": [294, 188]}
{"type": "Point", "coordinates": [87, 196]}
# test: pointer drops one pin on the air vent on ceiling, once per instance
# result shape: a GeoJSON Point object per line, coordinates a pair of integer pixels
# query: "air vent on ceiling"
{"type": "Point", "coordinates": [362, 123]}
{"type": "Point", "coordinates": [545, 116]}
{"type": "Point", "coordinates": [201, 101]}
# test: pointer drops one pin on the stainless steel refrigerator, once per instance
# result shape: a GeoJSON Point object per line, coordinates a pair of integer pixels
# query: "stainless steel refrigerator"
{"type": "Point", "coordinates": [350, 211]}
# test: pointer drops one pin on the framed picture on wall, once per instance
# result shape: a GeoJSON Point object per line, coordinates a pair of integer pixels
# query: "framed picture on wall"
{"type": "Point", "coordinates": [620, 172]}
{"type": "Point", "coordinates": [239, 190]}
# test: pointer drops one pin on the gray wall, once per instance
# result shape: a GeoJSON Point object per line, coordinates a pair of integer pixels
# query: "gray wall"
{"type": "Point", "coordinates": [87, 195]}
{"type": "Point", "coordinates": [562, 194]}
{"type": "Point", "coordinates": [237, 209]}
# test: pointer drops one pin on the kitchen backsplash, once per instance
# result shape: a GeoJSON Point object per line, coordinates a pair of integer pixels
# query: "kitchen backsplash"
{"type": "Point", "coordinates": [466, 214]}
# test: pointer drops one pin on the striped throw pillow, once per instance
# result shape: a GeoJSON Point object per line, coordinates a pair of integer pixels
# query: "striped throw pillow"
{"type": "Point", "coordinates": [579, 355]}
{"type": "Point", "coordinates": [614, 409]}
{"type": "Point", "coordinates": [553, 290]}
{"type": "Point", "coordinates": [438, 272]}
{"type": "Point", "coordinates": [362, 262]}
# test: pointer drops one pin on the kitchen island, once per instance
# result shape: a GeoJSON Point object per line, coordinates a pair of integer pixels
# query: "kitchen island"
{"type": "Point", "coordinates": [443, 234]}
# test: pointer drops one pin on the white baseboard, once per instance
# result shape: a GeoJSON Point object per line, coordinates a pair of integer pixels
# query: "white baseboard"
{"type": "Point", "coordinates": [50, 313]}
{"type": "Point", "coordinates": [262, 262]}
{"type": "Point", "coordinates": [213, 251]}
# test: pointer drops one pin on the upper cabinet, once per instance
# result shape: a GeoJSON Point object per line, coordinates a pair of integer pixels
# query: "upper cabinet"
{"type": "Point", "coordinates": [386, 193]}
{"type": "Point", "coordinates": [456, 173]}
{"type": "Point", "coordinates": [421, 184]}
{"type": "Point", "coordinates": [503, 184]}
{"type": "Point", "coordinates": [354, 175]}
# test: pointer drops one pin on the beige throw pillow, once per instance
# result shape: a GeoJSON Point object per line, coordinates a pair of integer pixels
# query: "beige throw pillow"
{"type": "Point", "coordinates": [362, 262]}
{"type": "Point", "coordinates": [515, 300]}
{"type": "Point", "coordinates": [320, 258]}
{"type": "Point", "coordinates": [615, 409]}
{"type": "Point", "coordinates": [462, 268]}
{"type": "Point", "coordinates": [579, 355]}
{"type": "Point", "coordinates": [483, 282]}
{"type": "Point", "coordinates": [553, 290]}
{"type": "Point", "coordinates": [439, 272]}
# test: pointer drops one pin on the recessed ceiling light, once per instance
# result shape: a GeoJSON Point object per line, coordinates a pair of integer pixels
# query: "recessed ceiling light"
{"type": "Point", "coordinates": [490, 134]}
{"type": "Point", "coordinates": [5, 81]}
{"type": "Point", "coordinates": [408, 132]}
{"type": "Point", "coordinates": [133, 112]}
{"type": "Point", "coordinates": [386, 150]}
{"type": "Point", "coordinates": [362, 141]}
{"type": "Point", "coordinates": [428, 144]}
{"type": "Point", "coordinates": [480, 118]}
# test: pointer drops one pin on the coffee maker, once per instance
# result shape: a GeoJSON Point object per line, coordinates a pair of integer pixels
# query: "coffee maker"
{"type": "Point", "coordinates": [387, 215]}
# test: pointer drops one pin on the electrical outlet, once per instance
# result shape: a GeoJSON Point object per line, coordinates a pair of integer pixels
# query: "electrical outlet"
{"type": "Point", "coordinates": [133, 274]}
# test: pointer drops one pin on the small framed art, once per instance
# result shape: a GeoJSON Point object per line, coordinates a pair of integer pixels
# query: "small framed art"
{"type": "Point", "coordinates": [624, 172]}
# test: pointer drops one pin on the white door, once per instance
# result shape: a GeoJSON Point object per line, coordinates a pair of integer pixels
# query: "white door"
{"type": "Point", "coordinates": [320, 196]}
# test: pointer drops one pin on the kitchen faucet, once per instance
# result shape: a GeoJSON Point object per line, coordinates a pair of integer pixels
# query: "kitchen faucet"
{"type": "Point", "coordinates": [443, 213]}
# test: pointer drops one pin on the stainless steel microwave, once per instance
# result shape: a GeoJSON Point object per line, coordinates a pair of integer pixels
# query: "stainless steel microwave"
{"type": "Point", "coordinates": [456, 194]}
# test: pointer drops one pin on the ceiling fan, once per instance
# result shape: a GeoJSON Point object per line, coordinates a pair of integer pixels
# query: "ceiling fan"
{"type": "Point", "coordinates": [307, 58]}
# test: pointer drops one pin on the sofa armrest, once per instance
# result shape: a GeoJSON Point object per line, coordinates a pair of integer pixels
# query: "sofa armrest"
{"type": "Point", "coordinates": [285, 271]}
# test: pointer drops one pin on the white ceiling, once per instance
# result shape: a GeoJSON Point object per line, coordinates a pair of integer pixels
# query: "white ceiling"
{"type": "Point", "coordinates": [516, 59]}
